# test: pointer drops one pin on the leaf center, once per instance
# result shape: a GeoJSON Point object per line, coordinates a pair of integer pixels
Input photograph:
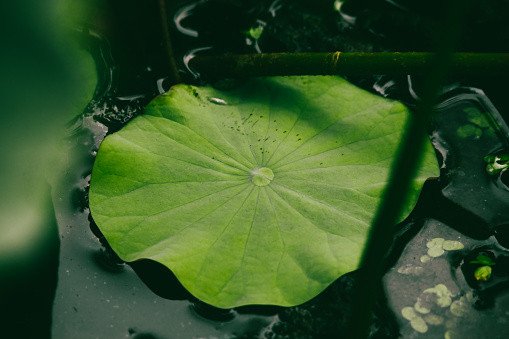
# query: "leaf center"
{"type": "Point", "coordinates": [262, 176]}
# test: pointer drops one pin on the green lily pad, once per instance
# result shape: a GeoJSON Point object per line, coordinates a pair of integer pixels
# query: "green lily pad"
{"type": "Point", "coordinates": [259, 195]}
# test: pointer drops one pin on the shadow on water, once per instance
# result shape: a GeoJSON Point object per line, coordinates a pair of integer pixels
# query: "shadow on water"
{"type": "Point", "coordinates": [99, 295]}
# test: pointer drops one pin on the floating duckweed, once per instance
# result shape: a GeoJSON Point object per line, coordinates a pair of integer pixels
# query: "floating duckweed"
{"type": "Point", "coordinates": [419, 324]}
{"type": "Point", "coordinates": [419, 307]}
{"type": "Point", "coordinates": [411, 270]}
{"type": "Point", "coordinates": [452, 245]}
{"type": "Point", "coordinates": [451, 335]}
{"type": "Point", "coordinates": [433, 319]}
{"type": "Point", "coordinates": [436, 251]}
{"type": "Point", "coordinates": [435, 242]}
{"type": "Point", "coordinates": [416, 321]}
{"type": "Point", "coordinates": [459, 307]}
{"type": "Point", "coordinates": [425, 258]}
{"type": "Point", "coordinates": [444, 290]}
{"type": "Point", "coordinates": [469, 131]}
{"type": "Point", "coordinates": [450, 323]}
{"type": "Point", "coordinates": [441, 294]}
{"type": "Point", "coordinates": [470, 297]}
{"type": "Point", "coordinates": [420, 315]}
{"type": "Point", "coordinates": [437, 247]}
{"type": "Point", "coordinates": [408, 313]}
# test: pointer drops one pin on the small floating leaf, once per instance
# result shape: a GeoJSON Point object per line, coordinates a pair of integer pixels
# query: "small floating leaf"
{"type": "Point", "coordinates": [452, 245]}
{"type": "Point", "coordinates": [459, 307]}
{"type": "Point", "coordinates": [435, 242]}
{"type": "Point", "coordinates": [439, 294]}
{"type": "Point", "coordinates": [435, 251]}
{"type": "Point", "coordinates": [408, 313]}
{"type": "Point", "coordinates": [419, 324]}
{"type": "Point", "coordinates": [411, 270]}
{"type": "Point", "coordinates": [450, 334]}
{"type": "Point", "coordinates": [264, 200]}
{"type": "Point", "coordinates": [433, 319]}
{"type": "Point", "coordinates": [421, 306]}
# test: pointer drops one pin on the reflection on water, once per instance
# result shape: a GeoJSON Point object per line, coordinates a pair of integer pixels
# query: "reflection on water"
{"type": "Point", "coordinates": [100, 296]}
{"type": "Point", "coordinates": [468, 304]}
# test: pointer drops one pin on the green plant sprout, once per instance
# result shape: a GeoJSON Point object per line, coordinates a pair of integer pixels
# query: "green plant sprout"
{"type": "Point", "coordinates": [483, 273]}
{"type": "Point", "coordinates": [496, 163]}
{"type": "Point", "coordinates": [255, 32]}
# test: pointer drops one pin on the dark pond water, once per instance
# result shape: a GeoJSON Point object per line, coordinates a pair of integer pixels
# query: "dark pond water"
{"type": "Point", "coordinates": [429, 288]}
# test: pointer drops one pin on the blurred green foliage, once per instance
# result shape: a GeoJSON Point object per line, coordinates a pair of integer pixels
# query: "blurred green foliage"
{"type": "Point", "coordinates": [47, 79]}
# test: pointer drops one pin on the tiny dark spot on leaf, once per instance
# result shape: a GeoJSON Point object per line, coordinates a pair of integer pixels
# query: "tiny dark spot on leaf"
{"type": "Point", "coordinates": [284, 132]}
{"type": "Point", "coordinates": [299, 139]}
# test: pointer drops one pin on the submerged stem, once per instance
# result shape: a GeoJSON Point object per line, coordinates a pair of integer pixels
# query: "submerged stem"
{"type": "Point", "coordinates": [174, 75]}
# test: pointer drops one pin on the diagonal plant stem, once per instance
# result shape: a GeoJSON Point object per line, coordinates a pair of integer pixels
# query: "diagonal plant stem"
{"type": "Point", "coordinates": [389, 63]}
{"type": "Point", "coordinates": [174, 75]}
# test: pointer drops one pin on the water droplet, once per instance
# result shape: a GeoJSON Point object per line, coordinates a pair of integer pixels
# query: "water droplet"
{"type": "Point", "coordinates": [262, 176]}
{"type": "Point", "coordinates": [218, 101]}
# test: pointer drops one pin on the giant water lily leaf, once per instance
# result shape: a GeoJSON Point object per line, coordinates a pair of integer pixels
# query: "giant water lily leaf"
{"type": "Point", "coordinates": [259, 195]}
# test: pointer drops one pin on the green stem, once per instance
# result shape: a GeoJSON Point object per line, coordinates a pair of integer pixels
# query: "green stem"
{"type": "Point", "coordinates": [390, 63]}
{"type": "Point", "coordinates": [174, 76]}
